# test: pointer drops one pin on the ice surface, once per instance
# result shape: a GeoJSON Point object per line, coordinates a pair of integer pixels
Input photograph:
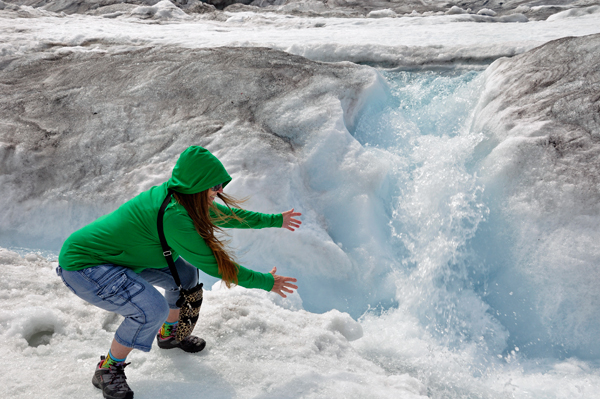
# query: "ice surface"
{"type": "Point", "coordinates": [459, 207]}
{"type": "Point", "coordinates": [97, 139]}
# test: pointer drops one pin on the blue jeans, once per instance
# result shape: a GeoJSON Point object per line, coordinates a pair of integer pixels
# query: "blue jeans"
{"type": "Point", "coordinates": [118, 289]}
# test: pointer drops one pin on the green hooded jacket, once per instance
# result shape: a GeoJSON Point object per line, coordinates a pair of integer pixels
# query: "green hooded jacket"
{"type": "Point", "coordinates": [129, 237]}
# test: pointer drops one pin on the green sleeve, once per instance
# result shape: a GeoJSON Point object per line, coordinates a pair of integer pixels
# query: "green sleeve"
{"type": "Point", "coordinates": [185, 241]}
{"type": "Point", "coordinates": [250, 220]}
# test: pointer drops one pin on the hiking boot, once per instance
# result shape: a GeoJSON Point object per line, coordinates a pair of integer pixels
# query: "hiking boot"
{"type": "Point", "coordinates": [189, 344]}
{"type": "Point", "coordinates": [112, 381]}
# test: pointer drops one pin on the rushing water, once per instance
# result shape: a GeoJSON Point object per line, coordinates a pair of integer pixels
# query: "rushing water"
{"type": "Point", "coordinates": [459, 266]}
{"type": "Point", "coordinates": [433, 199]}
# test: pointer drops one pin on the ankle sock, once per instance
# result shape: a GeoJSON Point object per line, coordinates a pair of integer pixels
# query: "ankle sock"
{"type": "Point", "coordinates": [111, 360]}
{"type": "Point", "coordinates": [167, 329]}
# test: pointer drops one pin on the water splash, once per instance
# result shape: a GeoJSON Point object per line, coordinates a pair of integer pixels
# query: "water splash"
{"type": "Point", "coordinates": [434, 201]}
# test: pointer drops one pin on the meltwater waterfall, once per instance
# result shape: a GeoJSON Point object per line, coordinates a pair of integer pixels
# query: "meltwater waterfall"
{"type": "Point", "coordinates": [463, 262]}
{"type": "Point", "coordinates": [434, 202]}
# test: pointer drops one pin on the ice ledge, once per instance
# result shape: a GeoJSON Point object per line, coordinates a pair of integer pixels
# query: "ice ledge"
{"type": "Point", "coordinates": [540, 164]}
{"type": "Point", "coordinates": [88, 130]}
{"type": "Point", "coordinates": [548, 96]}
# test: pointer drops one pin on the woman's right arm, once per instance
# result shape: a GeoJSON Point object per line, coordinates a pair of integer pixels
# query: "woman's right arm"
{"type": "Point", "coordinates": [283, 284]}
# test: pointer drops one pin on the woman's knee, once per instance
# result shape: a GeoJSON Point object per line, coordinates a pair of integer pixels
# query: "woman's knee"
{"type": "Point", "coordinates": [138, 330]}
{"type": "Point", "coordinates": [157, 314]}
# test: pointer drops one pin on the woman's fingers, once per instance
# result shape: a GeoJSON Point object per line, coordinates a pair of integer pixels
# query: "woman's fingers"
{"type": "Point", "coordinates": [289, 284]}
{"type": "Point", "coordinates": [283, 284]}
{"type": "Point", "coordinates": [293, 224]}
{"type": "Point", "coordinates": [288, 220]}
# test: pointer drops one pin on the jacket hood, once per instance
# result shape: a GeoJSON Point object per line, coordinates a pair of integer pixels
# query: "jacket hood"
{"type": "Point", "coordinates": [197, 170]}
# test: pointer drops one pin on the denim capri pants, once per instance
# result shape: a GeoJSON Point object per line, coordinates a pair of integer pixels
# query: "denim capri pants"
{"type": "Point", "coordinates": [119, 289]}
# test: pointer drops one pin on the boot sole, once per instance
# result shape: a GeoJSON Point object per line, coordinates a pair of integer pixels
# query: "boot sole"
{"type": "Point", "coordinates": [190, 349]}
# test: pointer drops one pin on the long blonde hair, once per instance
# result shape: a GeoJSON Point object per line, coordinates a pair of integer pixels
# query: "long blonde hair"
{"type": "Point", "coordinates": [199, 207]}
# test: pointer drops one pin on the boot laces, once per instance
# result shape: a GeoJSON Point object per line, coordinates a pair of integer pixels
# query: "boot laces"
{"type": "Point", "coordinates": [118, 379]}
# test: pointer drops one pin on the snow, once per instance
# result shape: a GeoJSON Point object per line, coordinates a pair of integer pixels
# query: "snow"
{"type": "Point", "coordinates": [405, 41]}
{"type": "Point", "coordinates": [575, 12]}
{"type": "Point", "coordinates": [160, 11]}
{"type": "Point", "coordinates": [487, 11]}
{"type": "Point", "coordinates": [385, 13]}
{"type": "Point", "coordinates": [51, 337]}
{"type": "Point", "coordinates": [449, 245]}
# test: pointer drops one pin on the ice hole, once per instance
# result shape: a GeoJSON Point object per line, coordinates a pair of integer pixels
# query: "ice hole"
{"type": "Point", "coordinates": [40, 337]}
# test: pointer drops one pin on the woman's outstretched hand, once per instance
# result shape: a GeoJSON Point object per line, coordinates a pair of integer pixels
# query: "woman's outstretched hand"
{"type": "Point", "coordinates": [283, 284]}
{"type": "Point", "coordinates": [288, 220]}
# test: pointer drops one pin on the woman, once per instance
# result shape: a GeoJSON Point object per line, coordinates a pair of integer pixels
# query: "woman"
{"type": "Point", "coordinates": [114, 262]}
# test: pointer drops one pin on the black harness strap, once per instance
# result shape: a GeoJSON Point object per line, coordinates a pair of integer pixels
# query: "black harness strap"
{"type": "Point", "coordinates": [163, 242]}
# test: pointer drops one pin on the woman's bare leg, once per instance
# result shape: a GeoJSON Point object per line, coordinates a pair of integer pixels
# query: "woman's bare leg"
{"type": "Point", "coordinates": [173, 315]}
{"type": "Point", "coordinates": [119, 351]}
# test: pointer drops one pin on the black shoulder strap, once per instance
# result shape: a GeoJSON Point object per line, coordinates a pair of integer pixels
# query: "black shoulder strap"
{"type": "Point", "coordinates": [163, 241]}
